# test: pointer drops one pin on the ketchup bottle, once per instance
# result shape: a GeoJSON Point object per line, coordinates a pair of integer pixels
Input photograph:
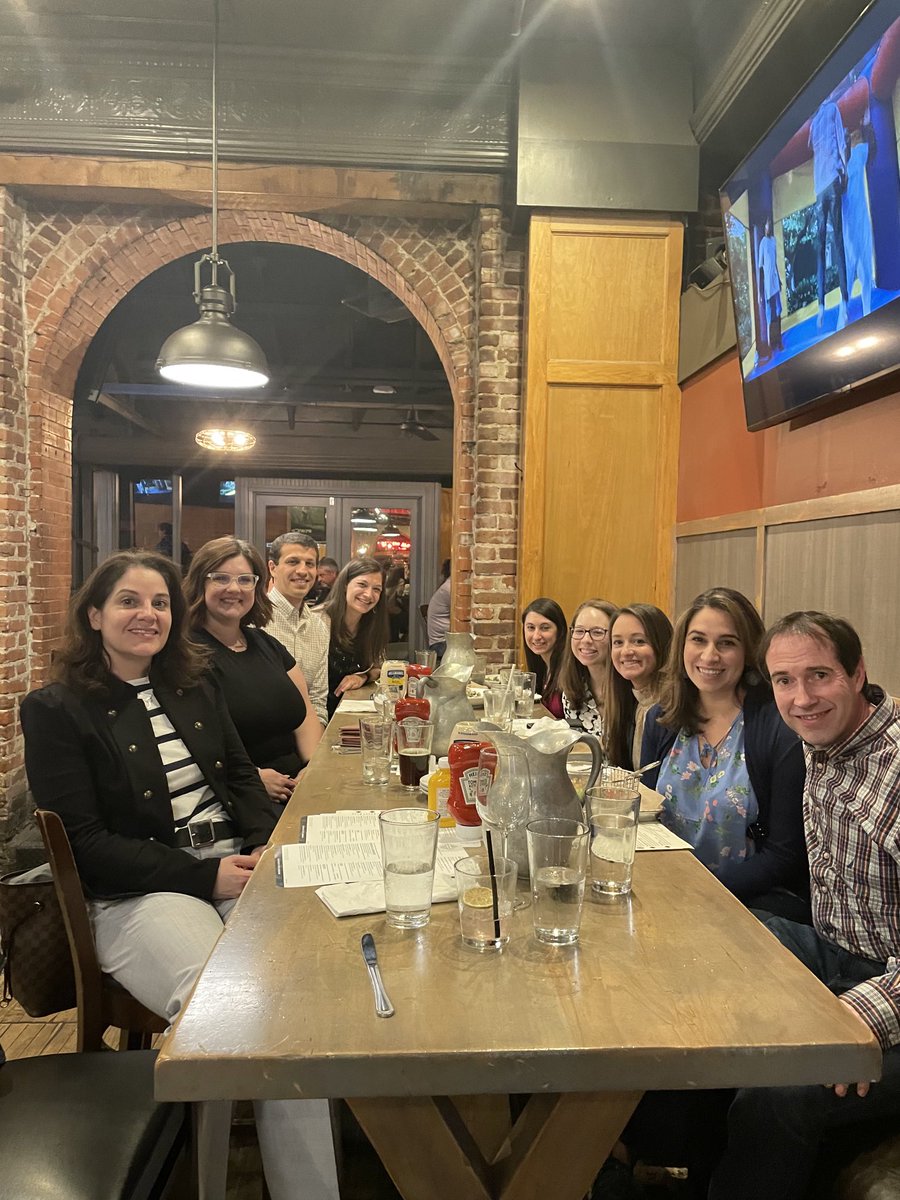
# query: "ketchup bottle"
{"type": "Point", "coordinates": [463, 758]}
{"type": "Point", "coordinates": [414, 674]}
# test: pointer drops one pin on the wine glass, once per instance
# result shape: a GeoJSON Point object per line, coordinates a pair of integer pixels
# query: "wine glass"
{"type": "Point", "coordinates": [503, 794]}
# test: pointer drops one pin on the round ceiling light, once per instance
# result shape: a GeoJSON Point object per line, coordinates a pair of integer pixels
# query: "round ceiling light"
{"type": "Point", "coordinates": [226, 440]}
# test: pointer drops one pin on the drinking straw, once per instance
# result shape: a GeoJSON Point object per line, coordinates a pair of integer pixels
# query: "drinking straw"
{"type": "Point", "coordinates": [494, 905]}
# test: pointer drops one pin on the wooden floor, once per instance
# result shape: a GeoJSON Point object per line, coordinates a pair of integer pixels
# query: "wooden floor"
{"type": "Point", "coordinates": [22, 1036]}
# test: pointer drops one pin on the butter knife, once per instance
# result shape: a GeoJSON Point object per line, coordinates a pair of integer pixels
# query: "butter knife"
{"type": "Point", "coordinates": [383, 1006]}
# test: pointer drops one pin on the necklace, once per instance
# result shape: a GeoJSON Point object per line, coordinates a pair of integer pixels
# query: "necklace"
{"type": "Point", "coordinates": [239, 645]}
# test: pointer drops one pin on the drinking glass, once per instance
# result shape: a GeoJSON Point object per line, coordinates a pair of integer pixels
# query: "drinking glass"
{"type": "Point", "coordinates": [557, 864]}
{"type": "Point", "coordinates": [503, 795]}
{"type": "Point", "coordinates": [524, 684]}
{"type": "Point", "coordinates": [426, 658]}
{"type": "Point", "coordinates": [613, 809]}
{"type": "Point", "coordinates": [499, 704]}
{"type": "Point", "coordinates": [408, 848]}
{"type": "Point", "coordinates": [413, 748]}
{"type": "Point", "coordinates": [476, 885]}
{"type": "Point", "coordinates": [374, 738]}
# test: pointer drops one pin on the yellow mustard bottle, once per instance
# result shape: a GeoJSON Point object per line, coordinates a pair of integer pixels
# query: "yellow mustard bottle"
{"type": "Point", "coordinates": [439, 792]}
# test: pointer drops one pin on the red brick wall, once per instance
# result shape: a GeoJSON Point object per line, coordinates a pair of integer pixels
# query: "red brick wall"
{"type": "Point", "coordinates": [64, 269]}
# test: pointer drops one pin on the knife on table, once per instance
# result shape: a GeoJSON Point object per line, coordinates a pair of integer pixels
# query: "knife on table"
{"type": "Point", "coordinates": [383, 1006]}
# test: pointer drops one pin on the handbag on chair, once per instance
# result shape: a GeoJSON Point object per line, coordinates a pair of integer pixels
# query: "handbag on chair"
{"type": "Point", "coordinates": [34, 949]}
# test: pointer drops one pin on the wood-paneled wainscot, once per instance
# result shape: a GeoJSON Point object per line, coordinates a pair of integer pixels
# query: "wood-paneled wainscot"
{"type": "Point", "coordinates": [838, 554]}
{"type": "Point", "coordinates": [601, 411]}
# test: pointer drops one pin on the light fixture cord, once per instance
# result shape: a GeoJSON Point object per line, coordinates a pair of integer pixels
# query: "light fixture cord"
{"type": "Point", "coordinates": [215, 148]}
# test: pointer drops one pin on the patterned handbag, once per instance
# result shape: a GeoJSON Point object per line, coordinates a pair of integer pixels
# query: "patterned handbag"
{"type": "Point", "coordinates": [34, 950]}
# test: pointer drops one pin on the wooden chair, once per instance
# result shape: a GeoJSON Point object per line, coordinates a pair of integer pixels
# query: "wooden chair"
{"type": "Point", "coordinates": [101, 1001]}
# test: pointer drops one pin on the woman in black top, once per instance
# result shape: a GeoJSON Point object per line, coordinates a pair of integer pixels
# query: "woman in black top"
{"type": "Point", "coordinates": [264, 688]}
{"type": "Point", "coordinates": [356, 614]}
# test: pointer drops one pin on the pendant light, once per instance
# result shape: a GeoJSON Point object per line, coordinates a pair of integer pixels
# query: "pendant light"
{"type": "Point", "coordinates": [225, 440]}
{"type": "Point", "coordinates": [211, 352]}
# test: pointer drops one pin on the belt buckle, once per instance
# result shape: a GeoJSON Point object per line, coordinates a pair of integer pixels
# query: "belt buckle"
{"type": "Point", "coordinates": [201, 833]}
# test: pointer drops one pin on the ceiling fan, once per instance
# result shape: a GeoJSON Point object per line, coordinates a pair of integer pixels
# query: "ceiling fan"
{"type": "Point", "coordinates": [411, 426]}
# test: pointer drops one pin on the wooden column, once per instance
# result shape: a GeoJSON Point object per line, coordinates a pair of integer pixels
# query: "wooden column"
{"type": "Point", "coordinates": [601, 411]}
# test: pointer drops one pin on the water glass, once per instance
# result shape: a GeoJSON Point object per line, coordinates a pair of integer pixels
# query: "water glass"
{"type": "Point", "coordinates": [413, 748]}
{"type": "Point", "coordinates": [499, 704]}
{"type": "Point", "coordinates": [613, 809]}
{"type": "Point", "coordinates": [408, 846]}
{"type": "Point", "coordinates": [557, 864]}
{"type": "Point", "coordinates": [426, 658]}
{"type": "Point", "coordinates": [578, 768]}
{"type": "Point", "coordinates": [524, 684]}
{"type": "Point", "coordinates": [375, 744]}
{"type": "Point", "coordinates": [478, 926]}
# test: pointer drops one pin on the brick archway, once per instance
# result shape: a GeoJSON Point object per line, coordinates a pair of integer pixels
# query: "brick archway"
{"type": "Point", "coordinates": [81, 281]}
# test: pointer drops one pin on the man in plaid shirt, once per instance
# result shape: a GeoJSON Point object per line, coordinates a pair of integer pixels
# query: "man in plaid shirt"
{"type": "Point", "coordinates": [851, 804]}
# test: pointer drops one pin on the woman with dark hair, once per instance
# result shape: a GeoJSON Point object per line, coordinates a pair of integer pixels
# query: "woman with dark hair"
{"type": "Point", "coordinates": [583, 675]}
{"type": "Point", "coordinates": [356, 614]}
{"type": "Point", "coordinates": [638, 645]}
{"type": "Point", "coordinates": [732, 773]}
{"type": "Point", "coordinates": [134, 748]}
{"type": "Point", "coordinates": [264, 688]}
{"type": "Point", "coordinates": [545, 632]}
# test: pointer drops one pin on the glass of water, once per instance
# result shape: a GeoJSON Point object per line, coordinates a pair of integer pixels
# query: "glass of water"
{"type": "Point", "coordinates": [408, 847]}
{"type": "Point", "coordinates": [557, 864]}
{"type": "Point", "coordinates": [613, 809]}
{"type": "Point", "coordinates": [476, 886]}
{"type": "Point", "coordinates": [375, 744]}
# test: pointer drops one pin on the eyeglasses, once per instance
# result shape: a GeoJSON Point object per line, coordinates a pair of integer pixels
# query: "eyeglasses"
{"type": "Point", "coordinates": [596, 634]}
{"type": "Point", "coordinates": [221, 579]}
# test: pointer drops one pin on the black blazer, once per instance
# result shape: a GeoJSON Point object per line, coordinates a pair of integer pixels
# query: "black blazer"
{"type": "Point", "coordinates": [777, 772]}
{"type": "Point", "coordinates": [94, 760]}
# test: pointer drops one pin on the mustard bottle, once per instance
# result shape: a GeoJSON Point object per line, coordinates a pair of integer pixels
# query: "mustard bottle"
{"type": "Point", "coordinates": [439, 792]}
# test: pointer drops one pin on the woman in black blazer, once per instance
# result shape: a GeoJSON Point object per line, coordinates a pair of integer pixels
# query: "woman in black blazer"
{"type": "Point", "coordinates": [133, 746]}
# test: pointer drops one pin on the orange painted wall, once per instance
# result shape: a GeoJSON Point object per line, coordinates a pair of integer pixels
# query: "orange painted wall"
{"type": "Point", "coordinates": [723, 468]}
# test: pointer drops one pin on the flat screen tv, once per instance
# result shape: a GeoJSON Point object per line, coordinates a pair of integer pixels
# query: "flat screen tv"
{"type": "Point", "coordinates": [812, 226]}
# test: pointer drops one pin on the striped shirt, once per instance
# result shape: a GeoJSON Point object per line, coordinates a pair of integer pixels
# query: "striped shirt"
{"type": "Point", "coordinates": [190, 794]}
{"type": "Point", "coordinates": [851, 810]}
{"type": "Point", "coordinates": [305, 635]}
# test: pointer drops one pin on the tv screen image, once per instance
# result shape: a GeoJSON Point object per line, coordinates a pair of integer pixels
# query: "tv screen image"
{"type": "Point", "coordinates": [812, 226]}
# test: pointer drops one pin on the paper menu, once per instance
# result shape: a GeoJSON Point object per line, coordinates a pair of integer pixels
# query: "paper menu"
{"type": "Point", "coordinates": [653, 836]}
{"type": "Point", "coordinates": [345, 847]}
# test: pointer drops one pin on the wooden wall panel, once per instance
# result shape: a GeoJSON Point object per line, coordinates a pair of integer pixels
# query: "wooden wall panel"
{"type": "Point", "coordinates": [601, 423]}
{"type": "Point", "coordinates": [844, 565]}
{"type": "Point", "coordinates": [714, 560]}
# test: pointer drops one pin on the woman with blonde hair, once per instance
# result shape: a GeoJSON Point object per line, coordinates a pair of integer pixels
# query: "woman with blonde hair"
{"type": "Point", "coordinates": [732, 772]}
{"type": "Point", "coordinates": [639, 639]}
{"type": "Point", "coordinates": [583, 675]}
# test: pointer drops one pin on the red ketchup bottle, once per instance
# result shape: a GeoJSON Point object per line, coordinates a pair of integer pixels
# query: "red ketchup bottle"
{"type": "Point", "coordinates": [463, 758]}
{"type": "Point", "coordinates": [414, 674]}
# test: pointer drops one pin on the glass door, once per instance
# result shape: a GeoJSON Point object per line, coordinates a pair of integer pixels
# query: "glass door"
{"type": "Point", "coordinates": [397, 523]}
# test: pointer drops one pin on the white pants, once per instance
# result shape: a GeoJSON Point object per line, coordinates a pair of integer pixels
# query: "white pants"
{"type": "Point", "coordinates": [156, 946]}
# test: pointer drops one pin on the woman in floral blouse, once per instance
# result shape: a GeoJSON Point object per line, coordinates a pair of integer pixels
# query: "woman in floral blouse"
{"type": "Point", "coordinates": [732, 772]}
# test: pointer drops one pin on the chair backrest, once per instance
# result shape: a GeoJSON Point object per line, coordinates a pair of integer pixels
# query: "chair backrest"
{"type": "Point", "coordinates": [101, 1002]}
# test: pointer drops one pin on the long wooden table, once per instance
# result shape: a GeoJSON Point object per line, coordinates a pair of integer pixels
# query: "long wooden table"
{"type": "Point", "coordinates": [677, 987]}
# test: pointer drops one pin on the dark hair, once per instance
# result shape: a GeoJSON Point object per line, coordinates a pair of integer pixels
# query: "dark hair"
{"type": "Point", "coordinates": [574, 677]}
{"type": "Point", "coordinates": [680, 700]}
{"type": "Point", "coordinates": [621, 706]}
{"type": "Point", "coordinates": [823, 627]}
{"type": "Point", "coordinates": [82, 663]}
{"type": "Point", "coordinates": [445, 570]}
{"type": "Point", "coordinates": [372, 633]}
{"type": "Point", "coordinates": [209, 558]}
{"type": "Point", "coordinates": [325, 562]}
{"type": "Point", "coordinates": [547, 677]}
{"type": "Point", "coordinates": [293, 538]}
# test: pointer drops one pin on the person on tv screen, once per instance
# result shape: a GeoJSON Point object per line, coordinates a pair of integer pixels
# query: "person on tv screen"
{"type": "Point", "coordinates": [828, 143]}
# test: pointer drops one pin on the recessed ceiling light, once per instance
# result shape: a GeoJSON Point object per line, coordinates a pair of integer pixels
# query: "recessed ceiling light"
{"type": "Point", "coordinates": [384, 389]}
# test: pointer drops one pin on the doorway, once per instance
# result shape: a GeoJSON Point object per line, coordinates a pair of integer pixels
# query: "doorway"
{"type": "Point", "coordinates": [398, 523]}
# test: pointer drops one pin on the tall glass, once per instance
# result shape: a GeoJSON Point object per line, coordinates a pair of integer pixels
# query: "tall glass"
{"type": "Point", "coordinates": [375, 744]}
{"type": "Point", "coordinates": [413, 748]}
{"type": "Point", "coordinates": [503, 794]}
{"type": "Point", "coordinates": [613, 809]}
{"type": "Point", "coordinates": [408, 849]}
{"type": "Point", "coordinates": [499, 704]}
{"type": "Point", "coordinates": [557, 863]}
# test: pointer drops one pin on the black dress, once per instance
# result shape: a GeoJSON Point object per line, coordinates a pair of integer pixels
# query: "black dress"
{"type": "Point", "coordinates": [341, 663]}
{"type": "Point", "coordinates": [264, 703]}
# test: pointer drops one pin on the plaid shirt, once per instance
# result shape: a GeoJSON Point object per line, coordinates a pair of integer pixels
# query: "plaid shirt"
{"type": "Point", "coordinates": [305, 635]}
{"type": "Point", "coordinates": [851, 809]}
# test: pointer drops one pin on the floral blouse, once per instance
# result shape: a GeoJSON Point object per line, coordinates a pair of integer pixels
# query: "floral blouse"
{"type": "Point", "coordinates": [710, 807]}
{"type": "Point", "coordinates": [587, 717]}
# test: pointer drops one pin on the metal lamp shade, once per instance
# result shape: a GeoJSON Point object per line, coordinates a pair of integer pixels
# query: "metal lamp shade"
{"type": "Point", "coordinates": [212, 353]}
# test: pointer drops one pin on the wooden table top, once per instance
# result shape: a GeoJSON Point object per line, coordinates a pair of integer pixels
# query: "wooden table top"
{"type": "Point", "coordinates": [678, 986]}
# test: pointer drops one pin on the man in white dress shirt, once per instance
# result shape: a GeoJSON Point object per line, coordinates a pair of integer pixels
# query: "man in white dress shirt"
{"type": "Point", "coordinates": [293, 563]}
